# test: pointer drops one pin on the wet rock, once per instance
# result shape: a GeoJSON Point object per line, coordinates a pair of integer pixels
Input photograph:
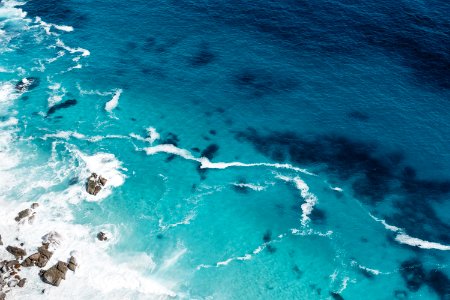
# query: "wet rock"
{"type": "Point", "coordinates": [16, 251]}
{"type": "Point", "coordinates": [2, 296]}
{"type": "Point", "coordinates": [39, 258]}
{"type": "Point", "coordinates": [102, 236]}
{"type": "Point", "coordinates": [55, 274]}
{"type": "Point", "coordinates": [1, 243]}
{"type": "Point", "coordinates": [95, 184]}
{"type": "Point", "coordinates": [72, 265]}
{"type": "Point", "coordinates": [27, 84]}
{"type": "Point", "coordinates": [34, 205]}
{"type": "Point", "coordinates": [23, 214]}
{"type": "Point", "coordinates": [22, 282]}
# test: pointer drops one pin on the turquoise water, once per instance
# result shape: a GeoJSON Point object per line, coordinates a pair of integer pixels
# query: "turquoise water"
{"type": "Point", "coordinates": [271, 150]}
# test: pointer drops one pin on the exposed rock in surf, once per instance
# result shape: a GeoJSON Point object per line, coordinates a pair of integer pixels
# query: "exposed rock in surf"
{"type": "Point", "coordinates": [55, 274]}
{"type": "Point", "coordinates": [65, 104]}
{"type": "Point", "coordinates": [39, 258]}
{"type": "Point", "coordinates": [27, 84]}
{"type": "Point", "coordinates": [2, 296]}
{"type": "Point", "coordinates": [102, 236]}
{"type": "Point", "coordinates": [16, 251]}
{"type": "Point", "coordinates": [95, 184]}
{"type": "Point", "coordinates": [23, 214]}
{"type": "Point", "coordinates": [34, 205]}
{"type": "Point", "coordinates": [1, 243]}
{"type": "Point", "coordinates": [22, 282]}
{"type": "Point", "coordinates": [72, 265]}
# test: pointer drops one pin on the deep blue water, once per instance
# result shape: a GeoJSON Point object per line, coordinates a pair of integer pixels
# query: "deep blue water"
{"type": "Point", "coordinates": [355, 93]}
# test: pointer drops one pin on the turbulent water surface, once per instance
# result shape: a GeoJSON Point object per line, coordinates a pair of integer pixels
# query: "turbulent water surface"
{"type": "Point", "coordinates": [253, 149]}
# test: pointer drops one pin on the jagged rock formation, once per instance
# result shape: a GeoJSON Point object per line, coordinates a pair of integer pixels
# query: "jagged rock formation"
{"type": "Point", "coordinates": [95, 184]}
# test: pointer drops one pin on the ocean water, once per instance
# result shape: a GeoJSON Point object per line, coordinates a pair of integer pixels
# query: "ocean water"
{"type": "Point", "coordinates": [253, 149]}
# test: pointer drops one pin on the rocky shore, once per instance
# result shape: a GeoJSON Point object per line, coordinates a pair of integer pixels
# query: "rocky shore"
{"type": "Point", "coordinates": [17, 259]}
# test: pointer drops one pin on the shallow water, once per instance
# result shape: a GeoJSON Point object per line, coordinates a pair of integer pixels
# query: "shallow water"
{"type": "Point", "coordinates": [272, 150]}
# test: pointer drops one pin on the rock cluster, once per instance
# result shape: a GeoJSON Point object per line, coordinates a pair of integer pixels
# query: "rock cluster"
{"type": "Point", "coordinates": [27, 214]}
{"type": "Point", "coordinates": [27, 84]}
{"type": "Point", "coordinates": [95, 183]}
{"type": "Point", "coordinates": [10, 269]}
{"type": "Point", "coordinates": [102, 236]}
{"type": "Point", "coordinates": [40, 258]}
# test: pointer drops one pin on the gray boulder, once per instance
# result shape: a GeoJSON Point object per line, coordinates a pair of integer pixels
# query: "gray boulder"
{"type": "Point", "coordinates": [55, 274]}
{"type": "Point", "coordinates": [95, 183]}
{"type": "Point", "coordinates": [23, 214]}
{"type": "Point", "coordinates": [16, 251]}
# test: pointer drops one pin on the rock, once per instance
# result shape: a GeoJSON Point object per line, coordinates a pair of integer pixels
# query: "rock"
{"type": "Point", "coordinates": [102, 236]}
{"type": "Point", "coordinates": [10, 264]}
{"type": "Point", "coordinates": [16, 251]}
{"type": "Point", "coordinates": [1, 243]}
{"type": "Point", "coordinates": [95, 184]}
{"type": "Point", "coordinates": [2, 296]}
{"type": "Point", "coordinates": [102, 180]}
{"type": "Point", "coordinates": [23, 214]}
{"type": "Point", "coordinates": [39, 259]}
{"type": "Point", "coordinates": [34, 205]}
{"type": "Point", "coordinates": [27, 84]}
{"type": "Point", "coordinates": [72, 265]}
{"type": "Point", "coordinates": [55, 274]}
{"type": "Point", "coordinates": [22, 282]}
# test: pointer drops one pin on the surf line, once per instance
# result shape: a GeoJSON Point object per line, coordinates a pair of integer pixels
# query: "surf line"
{"type": "Point", "coordinates": [406, 239]}
{"type": "Point", "coordinates": [205, 163]}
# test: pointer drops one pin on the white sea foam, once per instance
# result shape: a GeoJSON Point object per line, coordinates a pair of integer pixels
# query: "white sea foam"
{"type": "Point", "coordinates": [48, 26]}
{"type": "Point", "coordinates": [310, 199]}
{"type": "Point", "coordinates": [255, 187]}
{"type": "Point", "coordinates": [93, 92]}
{"type": "Point", "coordinates": [186, 220]}
{"type": "Point", "coordinates": [98, 274]}
{"type": "Point", "coordinates": [112, 104]}
{"type": "Point", "coordinates": [67, 135]}
{"type": "Point", "coordinates": [84, 52]}
{"type": "Point", "coordinates": [56, 94]}
{"type": "Point", "coordinates": [403, 238]}
{"type": "Point", "coordinates": [205, 163]}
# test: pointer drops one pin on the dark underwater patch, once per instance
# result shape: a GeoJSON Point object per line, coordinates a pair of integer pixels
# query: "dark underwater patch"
{"type": "Point", "coordinates": [298, 273]}
{"type": "Point", "coordinates": [318, 216]}
{"type": "Point", "coordinates": [262, 82]}
{"type": "Point", "coordinates": [267, 237]}
{"type": "Point", "coordinates": [440, 283]}
{"type": "Point", "coordinates": [210, 151]}
{"type": "Point", "coordinates": [372, 172]}
{"type": "Point", "coordinates": [203, 57]}
{"type": "Point", "coordinates": [55, 11]}
{"type": "Point", "coordinates": [239, 188]}
{"type": "Point", "coordinates": [336, 296]}
{"type": "Point", "coordinates": [65, 104]}
{"type": "Point", "coordinates": [413, 274]}
{"type": "Point", "coordinates": [415, 33]}
{"type": "Point", "coordinates": [171, 138]}
{"type": "Point", "coordinates": [359, 116]}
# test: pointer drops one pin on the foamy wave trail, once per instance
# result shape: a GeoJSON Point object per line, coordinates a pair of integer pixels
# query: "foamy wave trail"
{"type": "Point", "coordinates": [48, 26]}
{"type": "Point", "coordinates": [92, 92]}
{"type": "Point", "coordinates": [247, 256]}
{"type": "Point", "coordinates": [205, 163]}
{"type": "Point", "coordinates": [403, 238]}
{"type": "Point", "coordinates": [67, 135]}
{"type": "Point", "coordinates": [310, 199]}
{"type": "Point", "coordinates": [112, 104]}
{"type": "Point", "coordinates": [255, 187]}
